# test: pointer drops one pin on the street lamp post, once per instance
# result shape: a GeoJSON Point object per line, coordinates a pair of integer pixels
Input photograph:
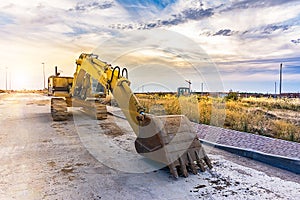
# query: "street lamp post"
{"type": "Point", "coordinates": [189, 82]}
{"type": "Point", "coordinates": [6, 78]}
{"type": "Point", "coordinates": [10, 80]}
{"type": "Point", "coordinates": [44, 74]}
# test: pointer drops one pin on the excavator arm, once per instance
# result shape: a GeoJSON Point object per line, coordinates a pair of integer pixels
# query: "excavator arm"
{"type": "Point", "coordinates": [165, 139]}
{"type": "Point", "coordinates": [114, 80]}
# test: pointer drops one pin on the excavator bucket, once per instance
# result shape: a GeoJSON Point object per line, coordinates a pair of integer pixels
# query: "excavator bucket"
{"type": "Point", "coordinates": [172, 141]}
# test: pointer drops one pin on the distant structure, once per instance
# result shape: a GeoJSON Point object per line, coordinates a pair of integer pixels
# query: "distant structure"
{"type": "Point", "coordinates": [280, 79]}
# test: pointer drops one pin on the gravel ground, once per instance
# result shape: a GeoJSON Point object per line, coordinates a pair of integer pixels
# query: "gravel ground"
{"type": "Point", "coordinates": [87, 159]}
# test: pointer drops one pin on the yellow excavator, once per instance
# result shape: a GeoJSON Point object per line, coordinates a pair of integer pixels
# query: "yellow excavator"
{"type": "Point", "coordinates": [168, 139]}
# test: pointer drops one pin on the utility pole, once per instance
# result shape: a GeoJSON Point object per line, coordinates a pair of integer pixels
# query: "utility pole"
{"type": "Point", "coordinates": [275, 88]}
{"type": "Point", "coordinates": [280, 79]}
{"type": "Point", "coordinates": [202, 87]}
{"type": "Point", "coordinates": [6, 78]}
{"type": "Point", "coordinates": [44, 74]}
{"type": "Point", "coordinates": [10, 80]}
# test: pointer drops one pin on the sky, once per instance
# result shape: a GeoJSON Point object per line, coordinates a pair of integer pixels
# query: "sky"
{"type": "Point", "coordinates": [241, 43]}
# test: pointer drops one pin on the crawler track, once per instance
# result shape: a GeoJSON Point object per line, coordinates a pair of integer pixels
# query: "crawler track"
{"type": "Point", "coordinates": [94, 109]}
{"type": "Point", "coordinates": [59, 109]}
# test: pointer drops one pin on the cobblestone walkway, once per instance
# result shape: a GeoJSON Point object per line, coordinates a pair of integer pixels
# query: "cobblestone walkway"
{"type": "Point", "coordinates": [248, 141]}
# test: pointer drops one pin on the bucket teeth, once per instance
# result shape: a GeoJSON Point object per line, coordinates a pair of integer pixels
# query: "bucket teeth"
{"type": "Point", "coordinates": [173, 170]}
{"type": "Point", "coordinates": [183, 167]}
{"type": "Point", "coordinates": [207, 161]}
{"type": "Point", "coordinates": [199, 162]}
{"type": "Point", "coordinates": [186, 163]}
{"type": "Point", "coordinates": [172, 141]}
{"type": "Point", "coordinates": [191, 163]}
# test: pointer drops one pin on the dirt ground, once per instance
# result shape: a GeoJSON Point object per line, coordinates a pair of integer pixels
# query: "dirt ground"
{"type": "Point", "coordinates": [84, 158]}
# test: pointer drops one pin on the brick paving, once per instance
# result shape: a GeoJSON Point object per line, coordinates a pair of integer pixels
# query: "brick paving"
{"type": "Point", "coordinates": [248, 141]}
{"type": "Point", "coordinates": [240, 139]}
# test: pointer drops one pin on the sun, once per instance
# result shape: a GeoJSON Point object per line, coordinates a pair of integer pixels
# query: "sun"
{"type": "Point", "coordinates": [17, 81]}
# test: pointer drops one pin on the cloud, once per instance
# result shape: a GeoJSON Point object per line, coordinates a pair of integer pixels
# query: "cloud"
{"type": "Point", "coordinates": [297, 41]}
{"type": "Point", "coordinates": [6, 19]}
{"type": "Point", "coordinates": [173, 20]}
{"type": "Point", "coordinates": [246, 4]}
{"type": "Point", "coordinates": [197, 13]}
{"type": "Point", "coordinates": [88, 6]}
{"type": "Point", "coordinates": [271, 60]}
{"type": "Point", "coordinates": [258, 32]}
{"type": "Point", "coordinates": [272, 28]}
{"type": "Point", "coordinates": [224, 32]}
{"type": "Point", "coordinates": [145, 3]}
{"type": "Point", "coordinates": [291, 69]}
{"type": "Point", "coordinates": [260, 74]}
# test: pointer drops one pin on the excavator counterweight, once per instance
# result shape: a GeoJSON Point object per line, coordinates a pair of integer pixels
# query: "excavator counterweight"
{"type": "Point", "coordinates": [169, 140]}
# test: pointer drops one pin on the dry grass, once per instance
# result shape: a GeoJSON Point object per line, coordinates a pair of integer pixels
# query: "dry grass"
{"type": "Point", "coordinates": [253, 115]}
{"type": "Point", "coordinates": [271, 103]}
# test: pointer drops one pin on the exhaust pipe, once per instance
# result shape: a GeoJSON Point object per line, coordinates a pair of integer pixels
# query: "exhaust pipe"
{"type": "Point", "coordinates": [56, 73]}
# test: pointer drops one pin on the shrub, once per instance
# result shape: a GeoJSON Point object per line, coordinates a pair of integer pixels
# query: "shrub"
{"type": "Point", "coordinates": [232, 96]}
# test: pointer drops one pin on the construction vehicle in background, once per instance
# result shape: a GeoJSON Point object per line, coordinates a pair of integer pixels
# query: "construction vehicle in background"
{"type": "Point", "coordinates": [169, 140]}
{"type": "Point", "coordinates": [59, 86]}
{"type": "Point", "coordinates": [183, 91]}
{"type": "Point", "coordinates": [91, 99]}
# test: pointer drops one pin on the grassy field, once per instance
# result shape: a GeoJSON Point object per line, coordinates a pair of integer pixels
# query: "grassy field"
{"type": "Point", "coordinates": [277, 118]}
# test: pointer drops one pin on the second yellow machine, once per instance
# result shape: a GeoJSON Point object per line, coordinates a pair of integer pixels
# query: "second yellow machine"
{"type": "Point", "coordinates": [168, 139]}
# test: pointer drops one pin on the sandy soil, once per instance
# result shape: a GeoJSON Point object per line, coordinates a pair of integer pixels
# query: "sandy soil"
{"type": "Point", "coordinates": [87, 159]}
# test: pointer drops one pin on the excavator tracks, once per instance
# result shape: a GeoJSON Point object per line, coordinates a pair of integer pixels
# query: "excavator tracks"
{"type": "Point", "coordinates": [100, 111]}
{"type": "Point", "coordinates": [59, 109]}
{"type": "Point", "coordinates": [96, 110]}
